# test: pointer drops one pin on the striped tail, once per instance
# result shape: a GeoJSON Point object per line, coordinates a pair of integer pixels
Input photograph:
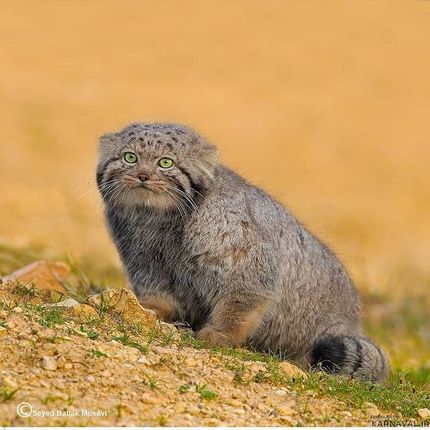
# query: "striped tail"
{"type": "Point", "coordinates": [355, 356]}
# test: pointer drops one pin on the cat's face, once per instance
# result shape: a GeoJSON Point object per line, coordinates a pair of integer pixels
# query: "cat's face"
{"type": "Point", "coordinates": [164, 166]}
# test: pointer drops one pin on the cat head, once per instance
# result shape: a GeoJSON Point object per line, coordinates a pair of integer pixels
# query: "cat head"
{"type": "Point", "coordinates": [163, 166]}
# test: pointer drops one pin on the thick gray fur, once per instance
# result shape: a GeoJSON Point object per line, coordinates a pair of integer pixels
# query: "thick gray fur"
{"type": "Point", "coordinates": [220, 239]}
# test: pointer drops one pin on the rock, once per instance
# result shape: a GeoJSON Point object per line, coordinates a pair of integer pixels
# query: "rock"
{"type": "Point", "coordinates": [45, 334]}
{"type": "Point", "coordinates": [83, 311]}
{"type": "Point", "coordinates": [42, 275]}
{"type": "Point", "coordinates": [372, 410]}
{"type": "Point", "coordinates": [49, 363]}
{"type": "Point", "coordinates": [143, 360]}
{"type": "Point", "coordinates": [8, 382]}
{"type": "Point", "coordinates": [75, 308]}
{"type": "Point", "coordinates": [124, 304]}
{"type": "Point", "coordinates": [257, 367]}
{"type": "Point", "coordinates": [17, 310]}
{"type": "Point", "coordinates": [424, 413]}
{"type": "Point", "coordinates": [17, 323]}
{"type": "Point", "coordinates": [161, 350]}
{"type": "Point", "coordinates": [291, 370]}
{"type": "Point", "coordinates": [281, 393]}
{"type": "Point", "coordinates": [234, 402]}
{"type": "Point", "coordinates": [286, 410]}
{"type": "Point", "coordinates": [149, 398]}
{"type": "Point", "coordinates": [128, 354]}
{"type": "Point", "coordinates": [68, 303]}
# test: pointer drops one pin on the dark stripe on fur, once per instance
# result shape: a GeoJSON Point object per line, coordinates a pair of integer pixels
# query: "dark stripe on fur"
{"type": "Point", "coordinates": [359, 351]}
{"type": "Point", "coordinates": [102, 170]}
{"type": "Point", "coordinates": [329, 354]}
{"type": "Point", "coordinates": [195, 187]}
{"type": "Point", "coordinates": [190, 179]}
{"type": "Point", "coordinates": [356, 356]}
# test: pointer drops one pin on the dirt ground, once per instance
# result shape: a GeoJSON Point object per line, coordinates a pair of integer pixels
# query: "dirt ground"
{"type": "Point", "coordinates": [110, 362]}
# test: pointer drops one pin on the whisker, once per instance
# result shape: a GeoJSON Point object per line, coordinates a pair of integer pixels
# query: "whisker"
{"type": "Point", "coordinates": [192, 204]}
{"type": "Point", "coordinates": [177, 204]}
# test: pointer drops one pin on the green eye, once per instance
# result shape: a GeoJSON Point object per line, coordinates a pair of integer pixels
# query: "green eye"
{"type": "Point", "coordinates": [130, 158]}
{"type": "Point", "coordinates": [165, 163]}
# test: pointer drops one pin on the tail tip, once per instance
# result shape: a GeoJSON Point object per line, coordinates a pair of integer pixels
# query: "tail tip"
{"type": "Point", "coordinates": [357, 357]}
{"type": "Point", "coordinates": [329, 354]}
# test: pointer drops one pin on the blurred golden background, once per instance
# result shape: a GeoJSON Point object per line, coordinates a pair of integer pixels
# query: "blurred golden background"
{"type": "Point", "coordinates": [325, 104]}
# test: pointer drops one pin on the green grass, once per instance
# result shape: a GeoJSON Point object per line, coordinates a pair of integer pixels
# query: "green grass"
{"type": "Point", "coordinates": [161, 420]}
{"type": "Point", "coordinates": [420, 376]}
{"type": "Point", "coordinates": [205, 393]}
{"type": "Point", "coordinates": [184, 388]}
{"type": "Point", "coordinates": [150, 381]}
{"type": "Point", "coordinates": [7, 393]}
{"type": "Point", "coordinates": [98, 353]}
{"type": "Point", "coordinates": [51, 398]}
{"type": "Point", "coordinates": [50, 318]}
{"type": "Point", "coordinates": [91, 334]}
{"type": "Point", "coordinates": [127, 340]}
{"type": "Point", "coordinates": [398, 395]}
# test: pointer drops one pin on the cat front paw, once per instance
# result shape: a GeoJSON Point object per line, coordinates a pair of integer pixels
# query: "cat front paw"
{"type": "Point", "coordinates": [214, 337]}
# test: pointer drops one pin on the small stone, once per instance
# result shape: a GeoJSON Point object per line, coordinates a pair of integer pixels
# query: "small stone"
{"type": "Point", "coordinates": [150, 399]}
{"type": "Point", "coordinates": [17, 310]}
{"type": "Point", "coordinates": [291, 370]}
{"type": "Point", "coordinates": [372, 410]}
{"type": "Point", "coordinates": [192, 362]}
{"type": "Point", "coordinates": [68, 303]}
{"type": "Point", "coordinates": [256, 366]}
{"type": "Point", "coordinates": [68, 366]}
{"type": "Point", "coordinates": [8, 382]}
{"type": "Point", "coordinates": [424, 413]}
{"type": "Point", "coordinates": [281, 393]}
{"type": "Point", "coordinates": [83, 311]}
{"type": "Point", "coordinates": [143, 360]}
{"type": "Point", "coordinates": [49, 363]}
{"type": "Point", "coordinates": [165, 326]}
{"type": "Point", "coordinates": [3, 331]}
{"type": "Point", "coordinates": [90, 379]}
{"type": "Point", "coordinates": [234, 402]}
{"type": "Point", "coordinates": [285, 410]}
{"type": "Point", "coordinates": [128, 354]}
{"type": "Point", "coordinates": [161, 350]}
{"type": "Point", "coordinates": [18, 323]}
{"type": "Point", "coordinates": [125, 304]}
{"type": "Point", "coordinates": [46, 334]}
{"type": "Point", "coordinates": [288, 420]}
{"type": "Point", "coordinates": [346, 413]}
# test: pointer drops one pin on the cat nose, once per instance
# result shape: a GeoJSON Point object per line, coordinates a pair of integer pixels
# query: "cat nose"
{"type": "Point", "coordinates": [143, 177]}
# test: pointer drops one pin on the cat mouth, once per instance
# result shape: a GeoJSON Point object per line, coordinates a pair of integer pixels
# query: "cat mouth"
{"type": "Point", "coordinates": [142, 186]}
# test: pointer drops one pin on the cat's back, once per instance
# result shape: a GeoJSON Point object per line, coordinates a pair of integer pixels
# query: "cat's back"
{"type": "Point", "coordinates": [241, 212]}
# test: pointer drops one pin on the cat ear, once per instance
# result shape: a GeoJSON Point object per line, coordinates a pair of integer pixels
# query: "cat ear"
{"type": "Point", "coordinates": [210, 155]}
{"type": "Point", "coordinates": [107, 144]}
{"type": "Point", "coordinates": [106, 139]}
{"type": "Point", "coordinates": [206, 158]}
